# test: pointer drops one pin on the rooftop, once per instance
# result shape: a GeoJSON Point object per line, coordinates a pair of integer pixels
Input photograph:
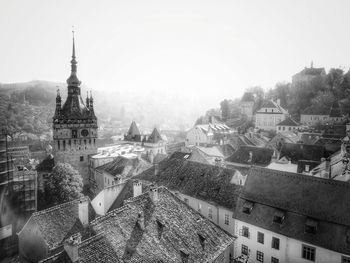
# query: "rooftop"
{"type": "Point", "coordinates": [251, 155]}
{"type": "Point", "coordinates": [300, 151]}
{"type": "Point", "coordinates": [202, 181]}
{"type": "Point", "coordinates": [263, 189]}
{"type": "Point", "coordinates": [288, 122]}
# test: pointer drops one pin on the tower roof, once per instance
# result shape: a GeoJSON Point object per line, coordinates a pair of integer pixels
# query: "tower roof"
{"type": "Point", "coordinates": [155, 136]}
{"type": "Point", "coordinates": [134, 130]}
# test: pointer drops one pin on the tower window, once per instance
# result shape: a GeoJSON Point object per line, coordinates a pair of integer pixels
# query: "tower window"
{"type": "Point", "coordinates": [74, 134]}
{"type": "Point", "coordinates": [82, 158]}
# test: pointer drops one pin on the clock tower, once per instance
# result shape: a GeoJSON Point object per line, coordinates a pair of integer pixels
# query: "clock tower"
{"type": "Point", "coordinates": [75, 125]}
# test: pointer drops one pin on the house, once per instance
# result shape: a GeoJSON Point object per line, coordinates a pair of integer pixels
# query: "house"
{"type": "Point", "coordinates": [121, 168]}
{"type": "Point", "coordinates": [247, 105]}
{"type": "Point", "coordinates": [300, 151]}
{"type": "Point", "coordinates": [154, 144]}
{"type": "Point", "coordinates": [288, 217]}
{"type": "Point", "coordinates": [238, 140]}
{"type": "Point", "coordinates": [207, 134]}
{"type": "Point", "coordinates": [312, 115]}
{"type": "Point", "coordinates": [149, 228]}
{"type": "Point", "coordinates": [269, 115]}
{"type": "Point", "coordinates": [280, 138]}
{"type": "Point", "coordinates": [209, 189]}
{"type": "Point", "coordinates": [251, 155]}
{"type": "Point", "coordinates": [45, 231]}
{"type": "Point", "coordinates": [287, 125]}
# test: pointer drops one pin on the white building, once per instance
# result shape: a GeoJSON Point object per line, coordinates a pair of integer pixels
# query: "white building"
{"type": "Point", "coordinates": [269, 115]}
{"type": "Point", "coordinates": [287, 124]}
{"type": "Point", "coordinates": [206, 134]}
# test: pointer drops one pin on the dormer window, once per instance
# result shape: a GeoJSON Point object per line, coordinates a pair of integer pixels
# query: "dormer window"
{"type": "Point", "coordinates": [278, 217]}
{"type": "Point", "coordinates": [201, 240]}
{"type": "Point", "coordinates": [348, 236]}
{"type": "Point", "coordinates": [310, 226]}
{"type": "Point", "coordinates": [184, 256]}
{"type": "Point", "coordinates": [247, 207]}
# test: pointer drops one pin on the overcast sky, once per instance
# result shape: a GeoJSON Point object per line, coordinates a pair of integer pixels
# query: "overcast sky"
{"type": "Point", "coordinates": [210, 49]}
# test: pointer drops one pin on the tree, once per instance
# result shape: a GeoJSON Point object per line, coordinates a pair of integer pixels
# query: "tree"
{"type": "Point", "coordinates": [225, 109]}
{"type": "Point", "coordinates": [63, 185]}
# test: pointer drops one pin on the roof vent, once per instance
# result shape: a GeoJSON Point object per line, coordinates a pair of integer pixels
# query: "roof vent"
{"type": "Point", "coordinates": [247, 207]}
{"type": "Point", "coordinates": [311, 226]}
{"type": "Point", "coordinates": [202, 240]}
{"type": "Point", "coordinates": [279, 217]}
{"type": "Point", "coordinates": [184, 256]}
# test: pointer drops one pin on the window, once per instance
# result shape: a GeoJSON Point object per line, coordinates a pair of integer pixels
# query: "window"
{"type": "Point", "coordinates": [245, 231]}
{"type": "Point", "coordinates": [245, 250]}
{"type": "Point", "coordinates": [307, 168]}
{"type": "Point", "coordinates": [345, 259]}
{"type": "Point", "coordinates": [278, 217]}
{"type": "Point", "coordinates": [260, 237]}
{"type": "Point", "coordinates": [275, 243]}
{"type": "Point", "coordinates": [274, 260]}
{"type": "Point", "coordinates": [210, 212]}
{"type": "Point", "coordinates": [227, 220]}
{"type": "Point", "coordinates": [310, 226]}
{"type": "Point", "coordinates": [82, 158]}
{"type": "Point", "coordinates": [248, 206]}
{"type": "Point", "coordinates": [259, 256]}
{"type": "Point", "coordinates": [308, 252]}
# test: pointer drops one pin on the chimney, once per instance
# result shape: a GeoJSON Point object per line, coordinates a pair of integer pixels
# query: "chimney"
{"type": "Point", "coordinates": [137, 187]}
{"type": "Point", "coordinates": [71, 246]}
{"type": "Point", "coordinates": [83, 208]}
{"type": "Point", "coordinates": [156, 169]}
{"type": "Point", "coordinates": [153, 193]}
{"type": "Point", "coordinates": [141, 220]}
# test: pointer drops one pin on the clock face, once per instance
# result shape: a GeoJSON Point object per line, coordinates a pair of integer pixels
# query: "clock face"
{"type": "Point", "coordinates": [84, 133]}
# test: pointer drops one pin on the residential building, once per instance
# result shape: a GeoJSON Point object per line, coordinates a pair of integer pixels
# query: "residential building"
{"type": "Point", "coordinates": [45, 231]}
{"type": "Point", "coordinates": [280, 138]}
{"type": "Point", "coordinates": [247, 105]}
{"type": "Point", "coordinates": [303, 224]}
{"type": "Point", "coordinates": [120, 169]}
{"type": "Point", "coordinates": [299, 151]}
{"type": "Point", "coordinates": [251, 155]}
{"type": "Point", "coordinates": [207, 134]}
{"type": "Point", "coordinates": [312, 116]}
{"type": "Point", "coordinates": [287, 125]}
{"type": "Point", "coordinates": [269, 115]}
{"type": "Point", "coordinates": [148, 228]}
{"type": "Point", "coordinates": [75, 126]}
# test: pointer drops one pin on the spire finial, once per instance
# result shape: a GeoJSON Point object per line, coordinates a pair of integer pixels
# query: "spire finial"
{"type": "Point", "coordinates": [73, 79]}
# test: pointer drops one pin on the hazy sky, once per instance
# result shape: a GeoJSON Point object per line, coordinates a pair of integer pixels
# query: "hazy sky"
{"type": "Point", "coordinates": [210, 49]}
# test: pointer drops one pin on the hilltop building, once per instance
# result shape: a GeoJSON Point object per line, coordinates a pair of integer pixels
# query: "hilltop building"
{"type": "Point", "coordinates": [247, 105]}
{"type": "Point", "coordinates": [269, 115]}
{"type": "Point", "coordinates": [307, 75]}
{"type": "Point", "coordinates": [75, 126]}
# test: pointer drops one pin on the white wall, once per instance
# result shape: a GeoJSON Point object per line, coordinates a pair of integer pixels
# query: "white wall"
{"type": "Point", "coordinates": [313, 119]}
{"type": "Point", "coordinates": [268, 121]}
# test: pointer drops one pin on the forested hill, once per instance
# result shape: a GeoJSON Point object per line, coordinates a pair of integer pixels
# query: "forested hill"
{"type": "Point", "coordinates": [317, 94]}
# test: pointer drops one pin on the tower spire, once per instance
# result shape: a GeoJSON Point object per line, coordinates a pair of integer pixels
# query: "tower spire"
{"type": "Point", "coordinates": [73, 79]}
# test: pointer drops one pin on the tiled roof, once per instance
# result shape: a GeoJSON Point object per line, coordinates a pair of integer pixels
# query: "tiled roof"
{"type": "Point", "coordinates": [300, 151]}
{"type": "Point", "coordinates": [122, 166]}
{"type": "Point", "coordinates": [202, 181]}
{"type": "Point", "coordinates": [248, 97]}
{"type": "Point", "coordinates": [260, 155]}
{"type": "Point", "coordinates": [288, 122]}
{"type": "Point", "coordinates": [159, 157]}
{"type": "Point", "coordinates": [59, 222]}
{"type": "Point", "coordinates": [300, 197]}
{"type": "Point", "coordinates": [148, 231]}
{"type": "Point", "coordinates": [274, 105]}
{"type": "Point", "coordinates": [226, 149]}
{"type": "Point", "coordinates": [155, 137]}
{"type": "Point", "coordinates": [315, 111]}
{"type": "Point", "coordinates": [133, 130]}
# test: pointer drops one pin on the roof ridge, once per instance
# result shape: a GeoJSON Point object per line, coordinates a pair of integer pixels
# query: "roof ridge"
{"type": "Point", "coordinates": [52, 208]}
{"type": "Point", "coordinates": [87, 241]}
{"type": "Point", "coordinates": [304, 177]}
{"type": "Point", "coordinates": [109, 214]}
